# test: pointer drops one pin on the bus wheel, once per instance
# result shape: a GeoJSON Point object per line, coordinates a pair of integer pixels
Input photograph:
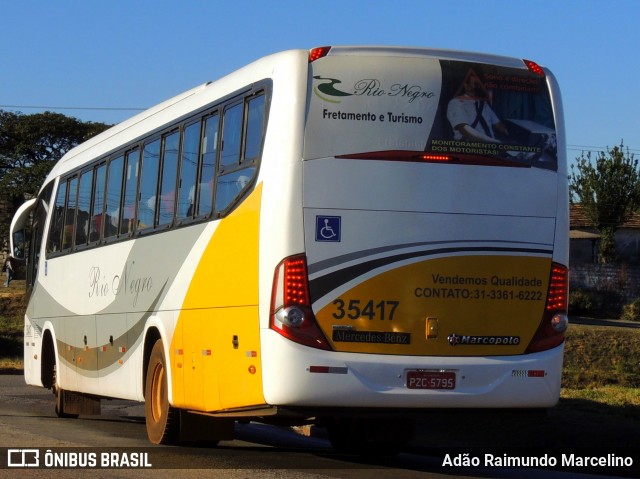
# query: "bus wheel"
{"type": "Point", "coordinates": [163, 421]}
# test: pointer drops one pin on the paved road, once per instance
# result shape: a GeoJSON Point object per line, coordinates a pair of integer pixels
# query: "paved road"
{"type": "Point", "coordinates": [27, 421]}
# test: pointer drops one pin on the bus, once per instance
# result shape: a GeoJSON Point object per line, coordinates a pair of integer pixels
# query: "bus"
{"type": "Point", "coordinates": [342, 236]}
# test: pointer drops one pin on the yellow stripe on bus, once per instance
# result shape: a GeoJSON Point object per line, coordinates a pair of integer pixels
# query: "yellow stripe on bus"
{"type": "Point", "coordinates": [220, 315]}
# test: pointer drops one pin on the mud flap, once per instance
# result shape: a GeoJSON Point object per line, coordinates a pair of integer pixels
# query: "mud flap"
{"type": "Point", "coordinates": [74, 404]}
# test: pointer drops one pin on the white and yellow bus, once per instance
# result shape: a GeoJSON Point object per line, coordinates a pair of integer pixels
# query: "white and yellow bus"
{"type": "Point", "coordinates": [347, 236]}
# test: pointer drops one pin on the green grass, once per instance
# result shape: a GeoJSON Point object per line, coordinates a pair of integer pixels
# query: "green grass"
{"type": "Point", "coordinates": [598, 356]}
{"type": "Point", "coordinates": [613, 396]}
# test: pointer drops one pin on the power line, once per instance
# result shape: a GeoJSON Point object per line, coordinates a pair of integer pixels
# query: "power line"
{"type": "Point", "coordinates": [591, 148]}
{"type": "Point", "coordinates": [586, 147]}
{"type": "Point", "coordinates": [596, 149]}
{"type": "Point", "coordinates": [97, 108]}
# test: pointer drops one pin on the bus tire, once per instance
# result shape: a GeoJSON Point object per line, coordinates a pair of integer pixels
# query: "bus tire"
{"type": "Point", "coordinates": [163, 421]}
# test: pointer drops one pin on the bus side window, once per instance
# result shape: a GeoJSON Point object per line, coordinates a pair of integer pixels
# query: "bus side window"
{"type": "Point", "coordinates": [82, 214]}
{"type": "Point", "coordinates": [208, 165]}
{"type": "Point", "coordinates": [231, 137]}
{"type": "Point", "coordinates": [231, 186]}
{"type": "Point", "coordinates": [54, 244]}
{"type": "Point", "coordinates": [166, 205]}
{"type": "Point", "coordinates": [70, 213]}
{"type": "Point", "coordinates": [113, 194]}
{"type": "Point", "coordinates": [237, 166]}
{"type": "Point", "coordinates": [148, 185]}
{"type": "Point", "coordinates": [255, 126]}
{"type": "Point", "coordinates": [97, 207]}
{"type": "Point", "coordinates": [130, 195]}
{"type": "Point", "coordinates": [188, 171]}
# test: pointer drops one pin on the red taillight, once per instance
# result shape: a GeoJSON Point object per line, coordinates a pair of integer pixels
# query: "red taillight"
{"type": "Point", "coordinates": [534, 67]}
{"type": "Point", "coordinates": [295, 282]}
{"type": "Point", "coordinates": [291, 314]}
{"type": "Point", "coordinates": [317, 53]}
{"type": "Point", "coordinates": [558, 296]}
{"type": "Point", "coordinates": [554, 323]}
{"type": "Point", "coordinates": [435, 158]}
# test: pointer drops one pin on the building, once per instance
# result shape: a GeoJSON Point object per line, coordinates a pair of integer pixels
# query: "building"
{"type": "Point", "coordinates": [584, 239]}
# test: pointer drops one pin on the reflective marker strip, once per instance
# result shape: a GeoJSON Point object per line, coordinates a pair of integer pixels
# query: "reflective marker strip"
{"type": "Point", "coordinates": [528, 373]}
{"type": "Point", "coordinates": [328, 370]}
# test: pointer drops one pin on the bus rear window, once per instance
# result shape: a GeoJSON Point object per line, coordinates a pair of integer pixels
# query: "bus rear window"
{"type": "Point", "coordinates": [463, 111]}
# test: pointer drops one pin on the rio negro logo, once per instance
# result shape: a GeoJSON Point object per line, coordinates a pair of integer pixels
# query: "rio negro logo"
{"type": "Point", "coordinates": [327, 90]}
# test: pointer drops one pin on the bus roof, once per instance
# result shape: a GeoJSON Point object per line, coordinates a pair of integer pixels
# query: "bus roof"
{"type": "Point", "coordinates": [442, 54]}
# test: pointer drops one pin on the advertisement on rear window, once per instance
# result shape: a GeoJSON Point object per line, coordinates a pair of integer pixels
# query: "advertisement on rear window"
{"type": "Point", "coordinates": [441, 107]}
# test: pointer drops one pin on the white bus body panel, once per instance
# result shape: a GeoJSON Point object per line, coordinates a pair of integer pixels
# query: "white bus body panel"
{"type": "Point", "coordinates": [369, 381]}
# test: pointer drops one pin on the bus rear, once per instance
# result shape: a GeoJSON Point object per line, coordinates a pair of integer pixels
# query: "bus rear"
{"type": "Point", "coordinates": [435, 212]}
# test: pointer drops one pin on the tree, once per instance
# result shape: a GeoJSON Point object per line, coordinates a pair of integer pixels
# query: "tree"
{"type": "Point", "coordinates": [29, 147]}
{"type": "Point", "coordinates": [608, 188]}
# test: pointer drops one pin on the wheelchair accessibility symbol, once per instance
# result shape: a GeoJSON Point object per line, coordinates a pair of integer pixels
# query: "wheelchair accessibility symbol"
{"type": "Point", "coordinates": [328, 228]}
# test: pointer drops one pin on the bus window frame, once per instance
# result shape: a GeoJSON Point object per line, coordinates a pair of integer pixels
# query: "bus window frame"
{"type": "Point", "coordinates": [50, 236]}
{"type": "Point", "coordinates": [130, 230]}
{"type": "Point", "coordinates": [189, 218]}
{"type": "Point", "coordinates": [222, 171]}
{"type": "Point", "coordinates": [211, 115]}
{"type": "Point", "coordinates": [64, 247]}
{"type": "Point", "coordinates": [150, 228]}
{"type": "Point", "coordinates": [213, 110]}
{"type": "Point", "coordinates": [119, 155]}
{"type": "Point", "coordinates": [92, 216]}
{"type": "Point", "coordinates": [157, 226]}
{"type": "Point", "coordinates": [82, 246]}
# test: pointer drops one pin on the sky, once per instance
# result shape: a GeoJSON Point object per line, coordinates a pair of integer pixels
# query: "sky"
{"type": "Point", "coordinates": [100, 60]}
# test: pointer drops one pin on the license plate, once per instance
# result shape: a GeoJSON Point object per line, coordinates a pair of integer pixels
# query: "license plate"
{"type": "Point", "coordinates": [431, 380]}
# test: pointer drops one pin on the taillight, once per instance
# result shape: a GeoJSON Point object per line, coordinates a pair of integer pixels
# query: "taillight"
{"type": "Point", "coordinates": [534, 67]}
{"type": "Point", "coordinates": [435, 158]}
{"type": "Point", "coordinates": [554, 322]}
{"type": "Point", "coordinates": [318, 53]}
{"type": "Point", "coordinates": [291, 313]}
{"type": "Point", "coordinates": [558, 296]}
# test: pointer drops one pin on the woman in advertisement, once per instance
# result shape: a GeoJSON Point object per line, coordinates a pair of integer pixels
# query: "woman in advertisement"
{"type": "Point", "coordinates": [470, 113]}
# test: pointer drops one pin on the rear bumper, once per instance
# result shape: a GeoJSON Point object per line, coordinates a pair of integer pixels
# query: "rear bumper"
{"type": "Point", "coordinates": [298, 376]}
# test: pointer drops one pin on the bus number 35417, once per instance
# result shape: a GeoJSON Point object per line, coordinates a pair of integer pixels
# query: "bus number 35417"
{"type": "Point", "coordinates": [357, 308]}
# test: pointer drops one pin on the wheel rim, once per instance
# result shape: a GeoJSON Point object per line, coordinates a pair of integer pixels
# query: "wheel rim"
{"type": "Point", "coordinates": [156, 392]}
